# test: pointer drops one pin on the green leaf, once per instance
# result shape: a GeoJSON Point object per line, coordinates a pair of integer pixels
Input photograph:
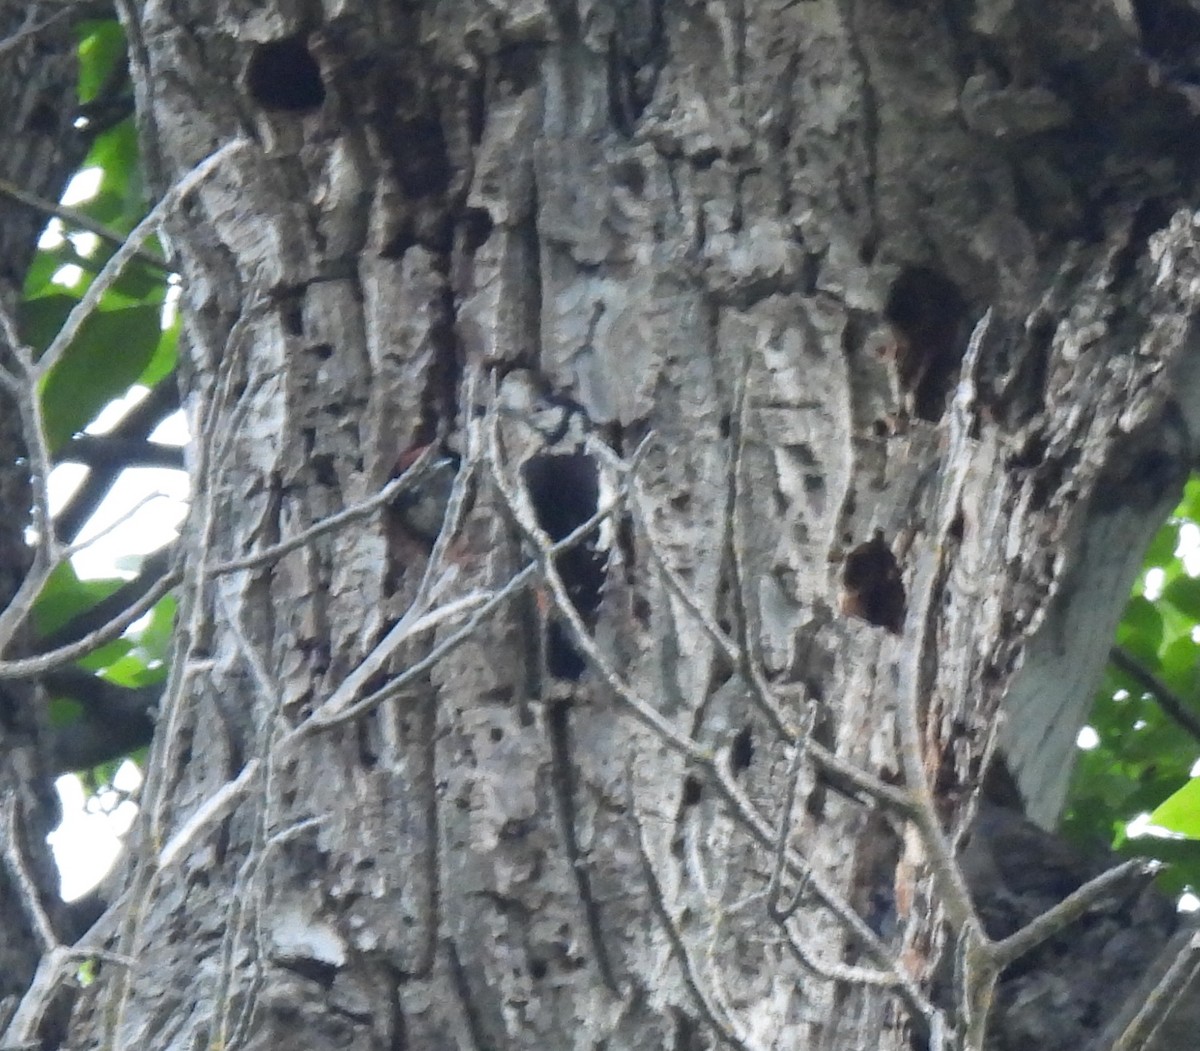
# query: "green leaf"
{"type": "Point", "coordinates": [1189, 506]}
{"type": "Point", "coordinates": [1141, 630]}
{"type": "Point", "coordinates": [166, 356]}
{"type": "Point", "coordinates": [1184, 594]}
{"type": "Point", "coordinates": [104, 657]}
{"type": "Point", "coordinates": [65, 596]}
{"type": "Point", "coordinates": [112, 350]}
{"type": "Point", "coordinates": [116, 151]}
{"type": "Point", "coordinates": [1181, 812]}
{"type": "Point", "coordinates": [131, 671]}
{"type": "Point", "coordinates": [41, 318]}
{"type": "Point", "coordinates": [1177, 666]}
{"type": "Point", "coordinates": [102, 46]}
{"type": "Point", "coordinates": [1164, 545]}
{"type": "Point", "coordinates": [155, 639]}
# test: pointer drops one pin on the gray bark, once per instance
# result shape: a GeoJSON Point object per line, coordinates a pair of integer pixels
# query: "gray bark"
{"type": "Point", "coordinates": [693, 220]}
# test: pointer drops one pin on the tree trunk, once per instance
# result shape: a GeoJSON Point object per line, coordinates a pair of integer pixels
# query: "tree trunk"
{"type": "Point", "coordinates": [710, 234]}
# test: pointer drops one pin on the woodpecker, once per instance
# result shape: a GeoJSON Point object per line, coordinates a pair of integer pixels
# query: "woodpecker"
{"type": "Point", "coordinates": [548, 435]}
{"type": "Point", "coordinates": [421, 508]}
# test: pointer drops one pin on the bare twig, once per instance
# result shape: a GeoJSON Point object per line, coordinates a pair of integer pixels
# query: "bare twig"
{"type": "Point", "coordinates": [18, 609]}
{"type": "Point", "coordinates": [26, 667]}
{"type": "Point", "coordinates": [775, 907]}
{"type": "Point", "coordinates": [1168, 700]}
{"type": "Point", "coordinates": [77, 218]}
{"type": "Point", "coordinates": [27, 889]}
{"type": "Point", "coordinates": [31, 28]}
{"type": "Point", "coordinates": [717, 1015]}
{"type": "Point", "coordinates": [1062, 915]}
{"type": "Point", "coordinates": [1167, 992]}
{"type": "Point", "coordinates": [275, 552]}
{"type": "Point", "coordinates": [215, 807]}
{"type": "Point", "coordinates": [27, 394]}
{"type": "Point", "coordinates": [55, 967]}
{"type": "Point", "coordinates": [120, 259]}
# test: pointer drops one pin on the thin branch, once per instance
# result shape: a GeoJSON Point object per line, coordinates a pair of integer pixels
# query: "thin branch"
{"type": "Point", "coordinates": [1168, 700]}
{"type": "Point", "coordinates": [851, 974]}
{"type": "Point", "coordinates": [25, 667]}
{"type": "Point", "coordinates": [839, 769]}
{"type": "Point", "coordinates": [117, 263]}
{"type": "Point", "coordinates": [31, 28]}
{"type": "Point", "coordinates": [215, 807]}
{"type": "Point", "coordinates": [78, 218]}
{"type": "Point", "coordinates": [1167, 992]}
{"type": "Point", "coordinates": [718, 1019]}
{"type": "Point", "coordinates": [269, 555]}
{"type": "Point", "coordinates": [26, 391]}
{"type": "Point", "coordinates": [138, 423]}
{"type": "Point", "coordinates": [328, 715]}
{"type": "Point", "coordinates": [153, 567]}
{"type": "Point", "coordinates": [775, 907]}
{"type": "Point", "coordinates": [24, 883]}
{"type": "Point", "coordinates": [1062, 915]}
{"type": "Point", "coordinates": [55, 967]}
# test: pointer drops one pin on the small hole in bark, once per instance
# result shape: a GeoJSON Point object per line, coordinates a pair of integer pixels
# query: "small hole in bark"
{"type": "Point", "coordinates": [1030, 455]}
{"type": "Point", "coordinates": [496, 734]}
{"type": "Point", "coordinates": [631, 175]}
{"type": "Point", "coordinates": [323, 469]}
{"type": "Point", "coordinates": [926, 311]}
{"type": "Point", "coordinates": [519, 66]}
{"type": "Point", "coordinates": [871, 586]}
{"type": "Point", "coordinates": [692, 791]}
{"type": "Point", "coordinates": [292, 317]}
{"type": "Point", "coordinates": [283, 75]}
{"type": "Point", "coordinates": [418, 147]}
{"type": "Point", "coordinates": [477, 228]}
{"type": "Point", "coordinates": [625, 543]}
{"type": "Point", "coordinates": [741, 753]}
{"type": "Point", "coordinates": [538, 969]}
{"type": "Point", "coordinates": [367, 754]}
{"type": "Point", "coordinates": [317, 971]}
{"type": "Point", "coordinates": [400, 241]}
{"type": "Point", "coordinates": [1041, 333]}
{"type": "Point", "coordinates": [641, 611]}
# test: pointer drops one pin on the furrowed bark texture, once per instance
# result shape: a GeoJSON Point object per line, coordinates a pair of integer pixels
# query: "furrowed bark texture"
{"type": "Point", "coordinates": [695, 221]}
{"type": "Point", "coordinates": [37, 85]}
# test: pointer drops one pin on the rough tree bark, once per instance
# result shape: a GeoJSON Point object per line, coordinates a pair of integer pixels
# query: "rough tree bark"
{"type": "Point", "coordinates": [708, 225]}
